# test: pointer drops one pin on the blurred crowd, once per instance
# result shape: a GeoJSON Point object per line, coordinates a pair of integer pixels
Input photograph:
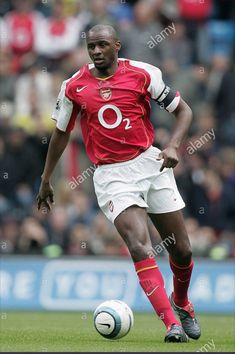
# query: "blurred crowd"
{"type": "Point", "coordinates": [42, 43]}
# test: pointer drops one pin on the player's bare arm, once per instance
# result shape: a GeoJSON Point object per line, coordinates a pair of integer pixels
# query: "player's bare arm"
{"type": "Point", "coordinates": [58, 143]}
{"type": "Point", "coordinates": [183, 115]}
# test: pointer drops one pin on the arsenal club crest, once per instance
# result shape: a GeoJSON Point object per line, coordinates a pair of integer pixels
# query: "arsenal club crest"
{"type": "Point", "coordinates": [106, 93]}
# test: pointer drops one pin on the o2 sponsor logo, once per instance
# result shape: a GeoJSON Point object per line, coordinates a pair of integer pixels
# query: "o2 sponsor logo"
{"type": "Point", "coordinates": [119, 117]}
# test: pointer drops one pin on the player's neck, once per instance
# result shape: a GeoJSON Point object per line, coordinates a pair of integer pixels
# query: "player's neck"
{"type": "Point", "coordinates": [102, 74]}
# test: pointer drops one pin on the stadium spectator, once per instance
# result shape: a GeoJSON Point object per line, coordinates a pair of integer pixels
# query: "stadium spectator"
{"type": "Point", "coordinates": [98, 11]}
{"type": "Point", "coordinates": [122, 15]}
{"type": "Point", "coordinates": [114, 246]}
{"type": "Point", "coordinates": [198, 58]}
{"type": "Point", "coordinates": [21, 24]}
{"type": "Point", "coordinates": [195, 15]}
{"type": "Point", "coordinates": [9, 234]}
{"type": "Point", "coordinates": [79, 240]}
{"type": "Point", "coordinates": [80, 209]}
{"type": "Point", "coordinates": [32, 237]}
{"type": "Point", "coordinates": [136, 38]}
{"type": "Point", "coordinates": [7, 77]}
{"type": "Point", "coordinates": [5, 7]}
{"type": "Point", "coordinates": [58, 227]}
{"type": "Point", "coordinates": [178, 46]}
{"type": "Point", "coordinates": [3, 34]}
{"type": "Point", "coordinates": [19, 162]}
{"type": "Point", "coordinates": [56, 35]}
{"type": "Point", "coordinates": [202, 239]}
{"type": "Point", "coordinates": [33, 100]}
{"type": "Point", "coordinates": [225, 107]}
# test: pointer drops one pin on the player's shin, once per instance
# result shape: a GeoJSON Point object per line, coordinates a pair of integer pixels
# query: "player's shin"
{"type": "Point", "coordinates": [152, 283]}
{"type": "Point", "coordinates": [181, 281]}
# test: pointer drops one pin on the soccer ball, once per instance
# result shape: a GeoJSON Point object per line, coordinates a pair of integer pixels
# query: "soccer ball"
{"type": "Point", "coordinates": [113, 319]}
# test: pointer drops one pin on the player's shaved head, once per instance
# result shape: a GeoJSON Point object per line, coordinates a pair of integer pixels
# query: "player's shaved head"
{"type": "Point", "coordinates": [104, 29]}
{"type": "Point", "coordinates": [103, 46]}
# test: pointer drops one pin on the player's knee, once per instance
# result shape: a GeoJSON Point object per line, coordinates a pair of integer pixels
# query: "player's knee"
{"type": "Point", "coordinates": [138, 245]}
{"type": "Point", "coordinates": [139, 251]}
{"type": "Point", "coordinates": [137, 239]}
{"type": "Point", "coordinates": [182, 254]}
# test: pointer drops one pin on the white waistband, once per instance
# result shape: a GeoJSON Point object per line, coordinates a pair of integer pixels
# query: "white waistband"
{"type": "Point", "coordinates": [128, 162]}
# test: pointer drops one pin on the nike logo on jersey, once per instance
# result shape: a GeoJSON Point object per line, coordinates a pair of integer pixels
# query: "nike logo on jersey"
{"type": "Point", "coordinates": [151, 292]}
{"type": "Point", "coordinates": [105, 324]}
{"type": "Point", "coordinates": [81, 88]}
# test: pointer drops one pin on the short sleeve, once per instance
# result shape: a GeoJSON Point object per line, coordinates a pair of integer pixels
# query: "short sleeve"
{"type": "Point", "coordinates": [65, 111]}
{"type": "Point", "coordinates": [160, 92]}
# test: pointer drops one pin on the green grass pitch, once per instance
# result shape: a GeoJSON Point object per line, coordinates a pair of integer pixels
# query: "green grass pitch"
{"type": "Point", "coordinates": [67, 332]}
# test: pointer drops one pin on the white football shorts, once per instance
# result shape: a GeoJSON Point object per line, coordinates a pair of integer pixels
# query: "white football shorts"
{"type": "Point", "coordinates": [137, 182]}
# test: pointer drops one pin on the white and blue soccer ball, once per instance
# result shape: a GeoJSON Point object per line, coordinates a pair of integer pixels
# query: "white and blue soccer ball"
{"type": "Point", "coordinates": [113, 319]}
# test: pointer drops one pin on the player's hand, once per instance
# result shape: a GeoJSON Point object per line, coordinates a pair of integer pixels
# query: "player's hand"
{"type": "Point", "coordinates": [45, 197]}
{"type": "Point", "coordinates": [170, 158]}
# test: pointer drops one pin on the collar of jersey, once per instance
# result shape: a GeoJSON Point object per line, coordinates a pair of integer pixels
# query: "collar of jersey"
{"type": "Point", "coordinates": [104, 78]}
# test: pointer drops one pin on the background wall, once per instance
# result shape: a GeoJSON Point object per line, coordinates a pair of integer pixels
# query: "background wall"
{"type": "Point", "coordinates": [82, 284]}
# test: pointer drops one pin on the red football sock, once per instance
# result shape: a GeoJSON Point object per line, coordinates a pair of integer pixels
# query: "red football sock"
{"type": "Point", "coordinates": [181, 280]}
{"type": "Point", "coordinates": [153, 285]}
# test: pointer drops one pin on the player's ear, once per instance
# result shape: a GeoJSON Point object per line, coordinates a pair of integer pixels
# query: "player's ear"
{"type": "Point", "coordinates": [118, 45]}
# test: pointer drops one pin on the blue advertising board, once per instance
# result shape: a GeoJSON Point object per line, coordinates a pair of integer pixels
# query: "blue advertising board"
{"type": "Point", "coordinates": [82, 284]}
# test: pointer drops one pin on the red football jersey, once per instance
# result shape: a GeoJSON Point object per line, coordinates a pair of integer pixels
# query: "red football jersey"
{"type": "Point", "coordinates": [115, 111]}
